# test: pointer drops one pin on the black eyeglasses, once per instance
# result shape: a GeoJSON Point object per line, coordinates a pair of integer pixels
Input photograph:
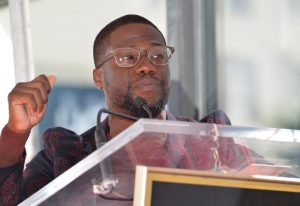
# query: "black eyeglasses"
{"type": "Point", "coordinates": [129, 56]}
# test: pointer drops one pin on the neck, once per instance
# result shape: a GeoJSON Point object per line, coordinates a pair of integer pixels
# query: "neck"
{"type": "Point", "coordinates": [118, 124]}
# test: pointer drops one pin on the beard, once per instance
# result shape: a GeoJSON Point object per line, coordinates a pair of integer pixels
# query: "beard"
{"type": "Point", "coordinates": [136, 110]}
{"type": "Point", "coordinates": [156, 108]}
{"type": "Point", "coordinates": [126, 100]}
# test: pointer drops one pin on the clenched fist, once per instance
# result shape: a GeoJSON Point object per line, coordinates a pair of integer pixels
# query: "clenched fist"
{"type": "Point", "coordinates": [28, 102]}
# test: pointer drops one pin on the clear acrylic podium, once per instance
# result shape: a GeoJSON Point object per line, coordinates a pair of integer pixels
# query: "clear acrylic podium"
{"type": "Point", "coordinates": [215, 149]}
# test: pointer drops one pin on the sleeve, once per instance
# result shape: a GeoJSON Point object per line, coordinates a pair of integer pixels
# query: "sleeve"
{"type": "Point", "coordinates": [11, 176]}
{"type": "Point", "coordinates": [38, 173]}
{"type": "Point", "coordinates": [17, 183]}
{"type": "Point", "coordinates": [62, 149]}
{"type": "Point", "coordinates": [10, 183]}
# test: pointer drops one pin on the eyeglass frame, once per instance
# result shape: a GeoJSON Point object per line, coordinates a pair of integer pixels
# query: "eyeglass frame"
{"type": "Point", "coordinates": [140, 52]}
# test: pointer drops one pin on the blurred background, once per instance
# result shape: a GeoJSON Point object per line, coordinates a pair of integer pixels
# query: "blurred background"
{"type": "Point", "coordinates": [241, 56]}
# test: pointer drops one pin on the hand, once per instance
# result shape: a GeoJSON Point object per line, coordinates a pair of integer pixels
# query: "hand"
{"type": "Point", "coordinates": [28, 102]}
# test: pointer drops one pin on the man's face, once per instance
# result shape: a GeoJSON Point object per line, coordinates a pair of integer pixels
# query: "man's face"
{"type": "Point", "coordinates": [122, 85]}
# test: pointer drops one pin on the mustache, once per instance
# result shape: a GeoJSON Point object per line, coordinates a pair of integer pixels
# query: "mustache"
{"type": "Point", "coordinates": [147, 79]}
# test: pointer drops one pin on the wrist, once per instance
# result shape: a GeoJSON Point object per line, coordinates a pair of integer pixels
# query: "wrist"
{"type": "Point", "coordinates": [12, 146]}
{"type": "Point", "coordinates": [12, 130]}
{"type": "Point", "coordinates": [9, 132]}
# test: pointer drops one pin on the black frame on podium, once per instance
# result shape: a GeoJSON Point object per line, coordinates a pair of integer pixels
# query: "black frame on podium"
{"type": "Point", "coordinates": [170, 186]}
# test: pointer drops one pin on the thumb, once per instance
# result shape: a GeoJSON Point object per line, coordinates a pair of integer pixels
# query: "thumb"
{"type": "Point", "coordinates": [52, 80]}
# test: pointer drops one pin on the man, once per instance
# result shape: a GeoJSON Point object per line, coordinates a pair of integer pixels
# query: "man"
{"type": "Point", "coordinates": [131, 60]}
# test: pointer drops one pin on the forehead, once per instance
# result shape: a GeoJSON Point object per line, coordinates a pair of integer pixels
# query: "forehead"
{"type": "Point", "coordinates": [133, 35]}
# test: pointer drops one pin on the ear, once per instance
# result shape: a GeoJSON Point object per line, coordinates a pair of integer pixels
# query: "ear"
{"type": "Point", "coordinates": [98, 77]}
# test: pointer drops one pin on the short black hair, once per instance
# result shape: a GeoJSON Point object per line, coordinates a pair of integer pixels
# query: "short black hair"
{"type": "Point", "coordinates": [100, 40]}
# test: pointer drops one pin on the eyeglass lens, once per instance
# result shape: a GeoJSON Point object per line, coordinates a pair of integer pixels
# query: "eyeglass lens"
{"type": "Point", "coordinates": [127, 57]}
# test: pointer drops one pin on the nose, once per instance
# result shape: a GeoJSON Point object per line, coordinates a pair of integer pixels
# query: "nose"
{"type": "Point", "coordinates": [145, 66]}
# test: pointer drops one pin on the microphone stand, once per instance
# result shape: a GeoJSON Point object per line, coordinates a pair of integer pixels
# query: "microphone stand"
{"type": "Point", "coordinates": [108, 181]}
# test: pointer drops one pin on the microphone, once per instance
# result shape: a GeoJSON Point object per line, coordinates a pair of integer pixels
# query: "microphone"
{"type": "Point", "coordinates": [108, 182]}
{"type": "Point", "coordinates": [142, 103]}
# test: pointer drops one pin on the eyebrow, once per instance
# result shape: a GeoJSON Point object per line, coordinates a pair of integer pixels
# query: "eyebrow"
{"type": "Point", "coordinates": [152, 44]}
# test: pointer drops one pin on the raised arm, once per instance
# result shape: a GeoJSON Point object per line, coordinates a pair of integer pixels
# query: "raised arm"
{"type": "Point", "coordinates": [27, 106]}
